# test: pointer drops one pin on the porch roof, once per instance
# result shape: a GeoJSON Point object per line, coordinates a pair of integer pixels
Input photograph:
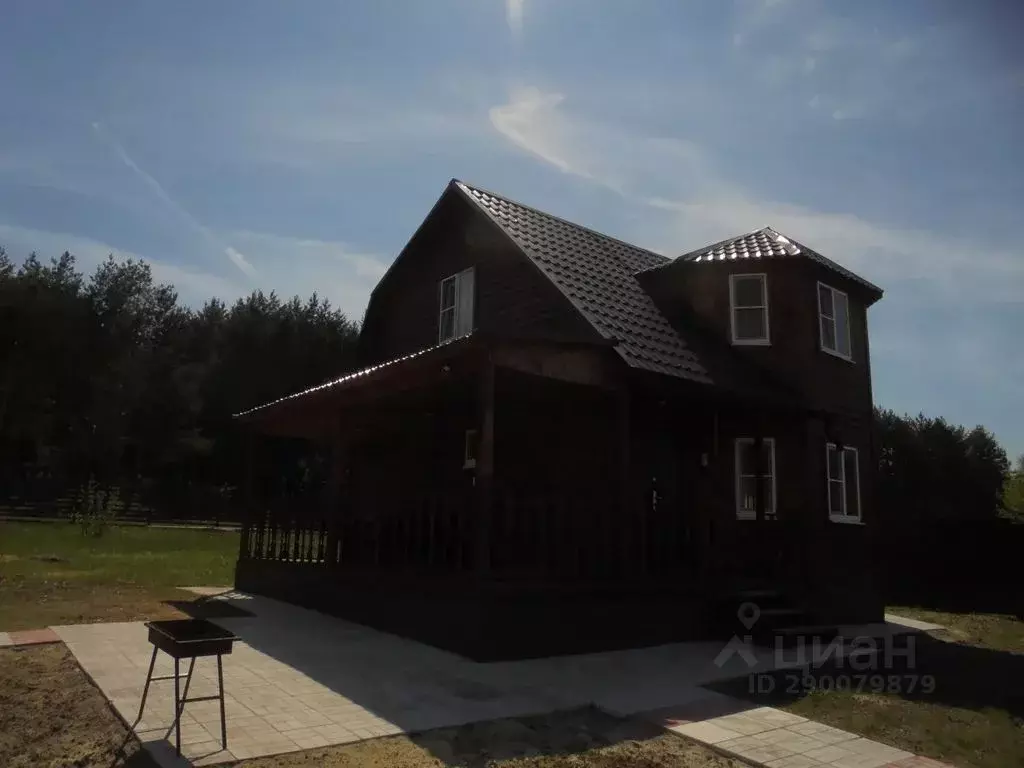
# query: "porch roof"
{"type": "Point", "coordinates": [406, 371]}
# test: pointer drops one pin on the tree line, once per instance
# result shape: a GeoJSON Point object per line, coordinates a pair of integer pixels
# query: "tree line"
{"type": "Point", "coordinates": [108, 380]}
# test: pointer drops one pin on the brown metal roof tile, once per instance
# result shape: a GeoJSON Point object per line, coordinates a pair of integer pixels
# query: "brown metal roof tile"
{"type": "Point", "coordinates": [764, 243]}
{"type": "Point", "coordinates": [600, 269]}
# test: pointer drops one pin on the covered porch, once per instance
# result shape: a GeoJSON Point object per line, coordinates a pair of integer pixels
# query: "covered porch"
{"type": "Point", "coordinates": [474, 489]}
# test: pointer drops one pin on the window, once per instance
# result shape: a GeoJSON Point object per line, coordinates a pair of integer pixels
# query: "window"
{"type": "Point", "coordinates": [455, 318]}
{"type": "Point", "coordinates": [472, 446]}
{"type": "Point", "coordinates": [748, 301]}
{"type": "Point", "coordinates": [753, 472]}
{"type": "Point", "coordinates": [834, 321]}
{"type": "Point", "coordinates": [843, 484]}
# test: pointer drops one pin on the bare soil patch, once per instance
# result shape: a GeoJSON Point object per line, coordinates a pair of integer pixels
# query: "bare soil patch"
{"type": "Point", "coordinates": [52, 715]}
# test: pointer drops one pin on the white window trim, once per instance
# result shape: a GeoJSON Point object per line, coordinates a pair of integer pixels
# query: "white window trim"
{"type": "Point", "coordinates": [441, 308]}
{"type": "Point", "coordinates": [454, 309]}
{"type": "Point", "coordinates": [766, 341]}
{"type": "Point", "coordinates": [742, 514]}
{"type": "Point", "coordinates": [845, 517]}
{"type": "Point", "coordinates": [849, 334]}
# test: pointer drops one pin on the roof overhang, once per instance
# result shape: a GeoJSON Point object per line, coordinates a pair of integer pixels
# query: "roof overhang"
{"type": "Point", "coordinates": [316, 412]}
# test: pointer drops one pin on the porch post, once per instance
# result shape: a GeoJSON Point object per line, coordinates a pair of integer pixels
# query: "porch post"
{"type": "Point", "coordinates": [623, 521]}
{"type": "Point", "coordinates": [336, 454]}
{"type": "Point", "coordinates": [484, 481]}
{"type": "Point", "coordinates": [244, 548]}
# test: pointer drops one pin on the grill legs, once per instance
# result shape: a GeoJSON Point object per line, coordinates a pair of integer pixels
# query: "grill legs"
{"type": "Point", "coordinates": [145, 689]}
{"type": "Point", "coordinates": [177, 710]}
{"type": "Point", "coordinates": [223, 720]}
{"type": "Point", "coordinates": [181, 697]}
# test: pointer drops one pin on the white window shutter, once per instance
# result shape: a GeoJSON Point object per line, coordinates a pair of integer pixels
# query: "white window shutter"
{"type": "Point", "coordinates": [464, 313]}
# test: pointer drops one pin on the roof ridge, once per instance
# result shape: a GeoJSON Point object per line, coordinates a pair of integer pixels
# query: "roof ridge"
{"type": "Point", "coordinates": [594, 232]}
{"type": "Point", "coordinates": [685, 256]}
{"type": "Point", "coordinates": [704, 248]}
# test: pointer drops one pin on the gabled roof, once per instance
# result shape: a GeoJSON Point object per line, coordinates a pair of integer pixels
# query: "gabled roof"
{"type": "Point", "coordinates": [596, 273]}
{"type": "Point", "coordinates": [765, 243]}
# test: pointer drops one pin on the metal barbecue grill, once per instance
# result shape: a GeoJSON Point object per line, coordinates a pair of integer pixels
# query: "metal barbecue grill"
{"type": "Point", "coordinates": [188, 639]}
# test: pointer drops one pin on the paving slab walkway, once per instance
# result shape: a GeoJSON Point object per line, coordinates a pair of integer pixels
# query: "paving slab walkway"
{"type": "Point", "coordinates": [298, 679]}
{"type": "Point", "coordinates": [777, 739]}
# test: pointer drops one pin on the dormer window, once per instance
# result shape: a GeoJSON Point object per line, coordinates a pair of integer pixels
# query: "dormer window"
{"type": "Point", "coordinates": [455, 317]}
{"type": "Point", "coordinates": [834, 321]}
{"type": "Point", "coordinates": [748, 304]}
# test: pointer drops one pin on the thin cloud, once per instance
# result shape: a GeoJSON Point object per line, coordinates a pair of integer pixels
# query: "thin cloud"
{"type": "Point", "coordinates": [514, 10]}
{"type": "Point", "coordinates": [333, 269]}
{"type": "Point", "coordinates": [234, 256]}
{"type": "Point", "coordinates": [700, 204]}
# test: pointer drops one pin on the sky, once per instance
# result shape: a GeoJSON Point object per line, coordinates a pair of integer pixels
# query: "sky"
{"type": "Point", "coordinates": [296, 146]}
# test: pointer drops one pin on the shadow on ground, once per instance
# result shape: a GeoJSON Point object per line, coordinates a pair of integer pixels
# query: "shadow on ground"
{"type": "Point", "coordinates": [209, 608]}
{"type": "Point", "coordinates": [455, 706]}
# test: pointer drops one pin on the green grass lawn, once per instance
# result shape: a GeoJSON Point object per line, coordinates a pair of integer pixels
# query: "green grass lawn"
{"type": "Point", "coordinates": [992, 630]}
{"type": "Point", "coordinates": [50, 573]}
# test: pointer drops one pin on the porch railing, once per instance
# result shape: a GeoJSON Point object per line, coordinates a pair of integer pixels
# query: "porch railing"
{"type": "Point", "coordinates": [547, 536]}
{"type": "Point", "coordinates": [429, 529]}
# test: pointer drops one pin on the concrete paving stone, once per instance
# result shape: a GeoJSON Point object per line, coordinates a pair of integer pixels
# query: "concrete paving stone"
{"type": "Point", "coordinates": [214, 757]}
{"type": "Point", "coordinates": [862, 746]}
{"type": "Point", "coordinates": [246, 751]}
{"type": "Point", "coordinates": [336, 734]}
{"type": "Point", "coordinates": [830, 753]}
{"type": "Point", "coordinates": [794, 761]}
{"type": "Point", "coordinates": [312, 741]}
{"type": "Point", "coordinates": [860, 761]}
{"type": "Point", "coordinates": [741, 724]}
{"type": "Point", "coordinates": [759, 752]}
{"type": "Point", "coordinates": [742, 742]}
{"type": "Point", "coordinates": [34, 637]}
{"type": "Point", "coordinates": [826, 734]}
{"type": "Point", "coordinates": [705, 732]}
{"type": "Point", "coordinates": [794, 742]}
{"type": "Point", "coordinates": [772, 716]}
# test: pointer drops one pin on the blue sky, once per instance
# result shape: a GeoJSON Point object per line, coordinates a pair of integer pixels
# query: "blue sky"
{"type": "Point", "coordinates": [296, 146]}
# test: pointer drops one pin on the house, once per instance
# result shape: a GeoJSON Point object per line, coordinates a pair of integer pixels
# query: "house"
{"type": "Point", "coordinates": [561, 442]}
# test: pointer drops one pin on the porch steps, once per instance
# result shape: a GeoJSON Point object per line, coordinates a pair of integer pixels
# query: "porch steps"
{"type": "Point", "coordinates": [764, 612]}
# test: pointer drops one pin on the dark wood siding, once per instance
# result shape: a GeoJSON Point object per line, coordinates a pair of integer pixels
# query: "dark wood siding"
{"type": "Point", "coordinates": [794, 355]}
{"type": "Point", "coordinates": [512, 297]}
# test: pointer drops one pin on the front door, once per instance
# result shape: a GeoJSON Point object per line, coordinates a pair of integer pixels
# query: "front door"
{"type": "Point", "coordinates": [669, 506]}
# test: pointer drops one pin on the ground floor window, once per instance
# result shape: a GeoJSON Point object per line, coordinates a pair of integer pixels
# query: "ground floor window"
{"type": "Point", "coordinates": [843, 484]}
{"type": "Point", "coordinates": [755, 473]}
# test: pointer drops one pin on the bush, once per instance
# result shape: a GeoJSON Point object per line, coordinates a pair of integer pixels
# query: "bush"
{"type": "Point", "coordinates": [1013, 492]}
{"type": "Point", "coordinates": [95, 508]}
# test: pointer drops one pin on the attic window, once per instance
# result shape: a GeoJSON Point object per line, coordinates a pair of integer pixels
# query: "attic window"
{"type": "Point", "coordinates": [455, 316]}
{"type": "Point", "coordinates": [834, 321]}
{"type": "Point", "coordinates": [748, 305]}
